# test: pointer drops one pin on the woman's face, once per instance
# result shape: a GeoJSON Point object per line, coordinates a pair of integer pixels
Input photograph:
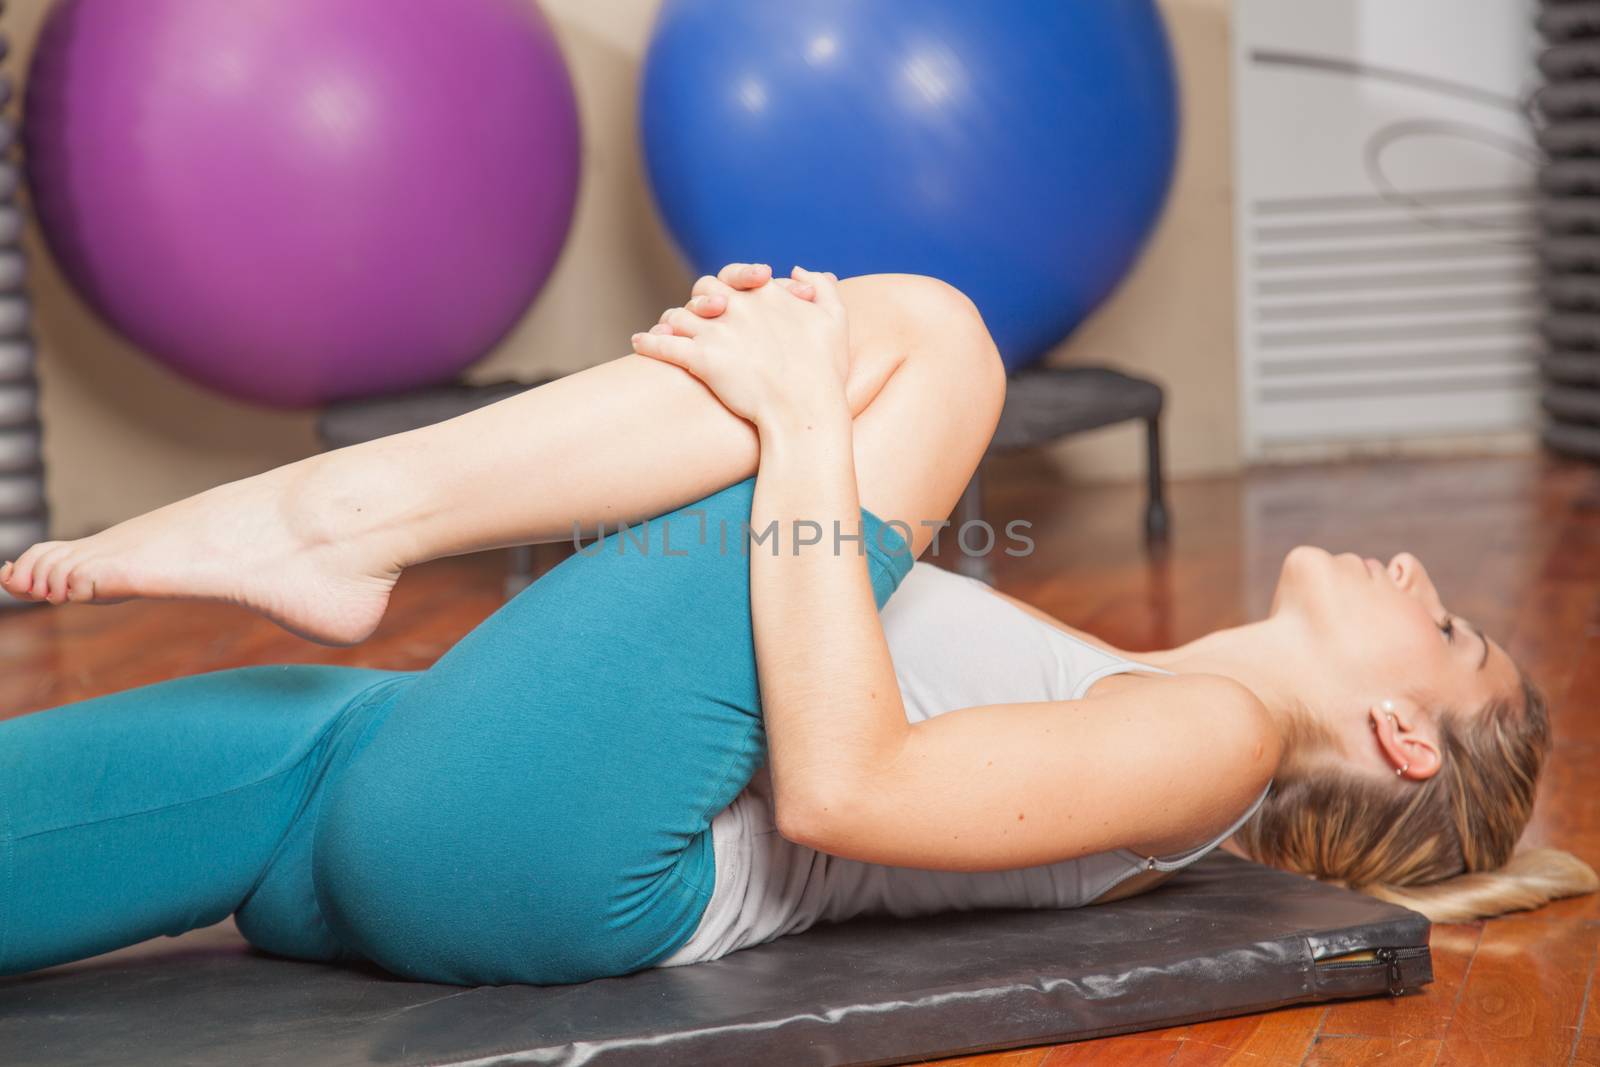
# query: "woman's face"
{"type": "Point", "coordinates": [1385, 633]}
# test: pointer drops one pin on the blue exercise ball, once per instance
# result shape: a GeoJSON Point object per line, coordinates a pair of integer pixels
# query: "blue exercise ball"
{"type": "Point", "coordinates": [1020, 151]}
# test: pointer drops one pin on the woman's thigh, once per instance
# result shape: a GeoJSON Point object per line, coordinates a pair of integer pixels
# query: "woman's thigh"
{"type": "Point", "coordinates": [919, 441]}
{"type": "Point", "coordinates": [535, 807]}
{"type": "Point", "coordinates": [164, 808]}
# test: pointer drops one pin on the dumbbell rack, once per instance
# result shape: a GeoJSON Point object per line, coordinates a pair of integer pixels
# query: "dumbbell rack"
{"type": "Point", "coordinates": [22, 503]}
{"type": "Point", "coordinates": [1569, 212]}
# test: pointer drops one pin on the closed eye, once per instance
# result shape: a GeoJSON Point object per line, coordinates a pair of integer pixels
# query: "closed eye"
{"type": "Point", "coordinates": [1448, 628]}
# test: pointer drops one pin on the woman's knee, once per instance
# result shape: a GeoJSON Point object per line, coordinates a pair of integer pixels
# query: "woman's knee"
{"type": "Point", "coordinates": [944, 326]}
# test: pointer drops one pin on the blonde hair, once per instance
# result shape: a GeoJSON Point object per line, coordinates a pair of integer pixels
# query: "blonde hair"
{"type": "Point", "coordinates": [1444, 846]}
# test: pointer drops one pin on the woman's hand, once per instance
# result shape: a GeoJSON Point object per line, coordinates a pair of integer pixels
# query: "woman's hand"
{"type": "Point", "coordinates": [771, 356]}
{"type": "Point", "coordinates": [709, 297]}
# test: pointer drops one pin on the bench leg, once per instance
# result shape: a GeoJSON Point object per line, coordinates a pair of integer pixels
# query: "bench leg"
{"type": "Point", "coordinates": [970, 509]}
{"type": "Point", "coordinates": [1157, 524]}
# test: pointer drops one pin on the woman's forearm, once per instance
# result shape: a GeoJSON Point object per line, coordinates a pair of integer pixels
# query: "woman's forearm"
{"type": "Point", "coordinates": [829, 697]}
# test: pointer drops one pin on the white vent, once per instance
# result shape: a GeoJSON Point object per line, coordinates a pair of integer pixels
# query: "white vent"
{"type": "Point", "coordinates": [1385, 195]}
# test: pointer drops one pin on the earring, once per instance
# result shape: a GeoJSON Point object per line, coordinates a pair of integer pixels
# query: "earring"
{"type": "Point", "coordinates": [1402, 769]}
{"type": "Point", "coordinates": [1388, 708]}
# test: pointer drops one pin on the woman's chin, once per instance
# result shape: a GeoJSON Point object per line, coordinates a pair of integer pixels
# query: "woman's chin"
{"type": "Point", "coordinates": [1300, 566]}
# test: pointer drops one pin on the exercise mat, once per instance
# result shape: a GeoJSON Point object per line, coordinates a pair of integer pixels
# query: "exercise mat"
{"type": "Point", "coordinates": [1224, 937]}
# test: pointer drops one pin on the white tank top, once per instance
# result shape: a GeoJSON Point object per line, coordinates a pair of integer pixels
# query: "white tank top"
{"type": "Point", "coordinates": [955, 645]}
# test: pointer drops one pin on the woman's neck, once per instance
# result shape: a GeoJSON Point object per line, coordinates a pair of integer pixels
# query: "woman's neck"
{"type": "Point", "coordinates": [1265, 657]}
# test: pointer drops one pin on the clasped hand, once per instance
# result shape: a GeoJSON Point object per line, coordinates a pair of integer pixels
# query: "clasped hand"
{"type": "Point", "coordinates": [770, 352]}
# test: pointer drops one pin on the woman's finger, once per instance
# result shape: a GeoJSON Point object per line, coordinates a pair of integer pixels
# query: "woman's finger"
{"type": "Point", "coordinates": [705, 285]}
{"type": "Point", "coordinates": [709, 297]}
{"type": "Point", "coordinates": [669, 316]}
{"type": "Point", "coordinates": [827, 288]}
{"type": "Point", "coordinates": [745, 275]}
{"type": "Point", "coordinates": [708, 305]}
{"type": "Point", "coordinates": [668, 348]}
{"type": "Point", "coordinates": [804, 290]}
{"type": "Point", "coordinates": [684, 322]}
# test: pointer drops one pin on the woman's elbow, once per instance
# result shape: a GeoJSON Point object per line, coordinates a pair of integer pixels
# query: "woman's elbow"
{"type": "Point", "coordinates": [816, 818]}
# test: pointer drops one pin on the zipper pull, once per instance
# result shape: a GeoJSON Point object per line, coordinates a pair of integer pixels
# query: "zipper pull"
{"type": "Point", "coordinates": [1391, 959]}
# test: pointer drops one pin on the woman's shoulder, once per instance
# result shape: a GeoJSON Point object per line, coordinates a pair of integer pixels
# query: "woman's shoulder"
{"type": "Point", "coordinates": [1211, 734]}
{"type": "Point", "coordinates": [1224, 708]}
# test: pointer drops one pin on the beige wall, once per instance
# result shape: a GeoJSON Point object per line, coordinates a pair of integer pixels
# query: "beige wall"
{"type": "Point", "coordinates": [1173, 319]}
{"type": "Point", "coordinates": [123, 435]}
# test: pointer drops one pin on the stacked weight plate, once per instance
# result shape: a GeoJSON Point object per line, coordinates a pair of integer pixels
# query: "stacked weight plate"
{"type": "Point", "coordinates": [1570, 213]}
{"type": "Point", "coordinates": [22, 508]}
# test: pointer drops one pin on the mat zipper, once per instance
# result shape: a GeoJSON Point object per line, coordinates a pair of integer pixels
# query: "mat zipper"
{"type": "Point", "coordinates": [1389, 959]}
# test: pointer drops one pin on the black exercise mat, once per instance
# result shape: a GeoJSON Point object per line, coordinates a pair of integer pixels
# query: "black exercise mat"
{"type": "Point", "coordinates": [1570, 215]}
{"type": "Point", "coordinates": [1573, 439]}
{"type": "Point", "coordinates": [1572, 329]}
{"type": "Point", "coordinates": [1572, 404]}
{"type": "Point", "coordinates": [1571, 292]}
{"type": "Point", "coordinates": [1570, 21]}
{"type": "Point", "coordinates": [1570, 254]}
{"type": "Point", "coordinates": [1575, 138]}
{"type": "Point", "coordinates": [1575, 59]}
{"type": "Point", "coordinates": [1570, 100]}
{"type": "Point", "coordinates": [1570, 177]}
{"type": "Point", "coordinates": [1224, 937]}
{"type": "Point", "coordinates": [1572, 367]}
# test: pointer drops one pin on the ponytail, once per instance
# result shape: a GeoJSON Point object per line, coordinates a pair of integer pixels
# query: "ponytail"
{"type": "Point", "coordinates": [1531, 879]}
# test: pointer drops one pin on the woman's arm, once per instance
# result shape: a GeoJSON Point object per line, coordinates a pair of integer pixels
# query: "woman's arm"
{"type": "Point", "coordinates": [1154, 764]}
{"type": "Point", "coordinates": [1157, 765]}
{"type": "Point", "coordinates": [829, 696]}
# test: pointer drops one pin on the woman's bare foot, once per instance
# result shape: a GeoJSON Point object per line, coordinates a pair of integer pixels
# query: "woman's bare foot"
{"type": "Point", "coordinates": [305, 545]}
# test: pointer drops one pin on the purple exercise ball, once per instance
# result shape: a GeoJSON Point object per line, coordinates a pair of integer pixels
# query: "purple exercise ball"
{"type": "Point", "coordinates": [295, 201]}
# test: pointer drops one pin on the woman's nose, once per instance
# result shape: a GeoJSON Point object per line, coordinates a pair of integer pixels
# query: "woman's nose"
{"type": "Point", "coordinates": [1409, 574]}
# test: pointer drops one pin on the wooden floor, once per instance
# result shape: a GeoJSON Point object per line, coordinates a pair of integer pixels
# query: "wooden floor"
{"type": "Point", "coordinates": [1513, 543]}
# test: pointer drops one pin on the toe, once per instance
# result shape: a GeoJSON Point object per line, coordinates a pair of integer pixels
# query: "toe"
{"type": "Point", "coordinates": [22, 574]}
{"type": "Point", "coordinates": [80, 584]}
{"type": "Point", "coordinates": [72, 577]}
{"type": "Point", "coordinates": [13, 581]}
{"type": "Point", "coordinates": [50, 578]}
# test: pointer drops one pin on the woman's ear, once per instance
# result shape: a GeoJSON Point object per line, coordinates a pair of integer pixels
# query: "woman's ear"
{"type": "Point", "coordinates": [1406, 739]}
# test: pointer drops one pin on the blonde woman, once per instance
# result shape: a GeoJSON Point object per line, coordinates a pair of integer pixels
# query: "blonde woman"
{"type": "Point", "coordinates": [577, 790]}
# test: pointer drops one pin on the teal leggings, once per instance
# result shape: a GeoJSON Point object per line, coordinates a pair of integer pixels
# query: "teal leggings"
{"type": "Point", "coordinates": [534, 807]}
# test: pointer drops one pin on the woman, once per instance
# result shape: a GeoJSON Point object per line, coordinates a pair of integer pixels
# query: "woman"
{"type": "Point", "coordinates": [572, 791]}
